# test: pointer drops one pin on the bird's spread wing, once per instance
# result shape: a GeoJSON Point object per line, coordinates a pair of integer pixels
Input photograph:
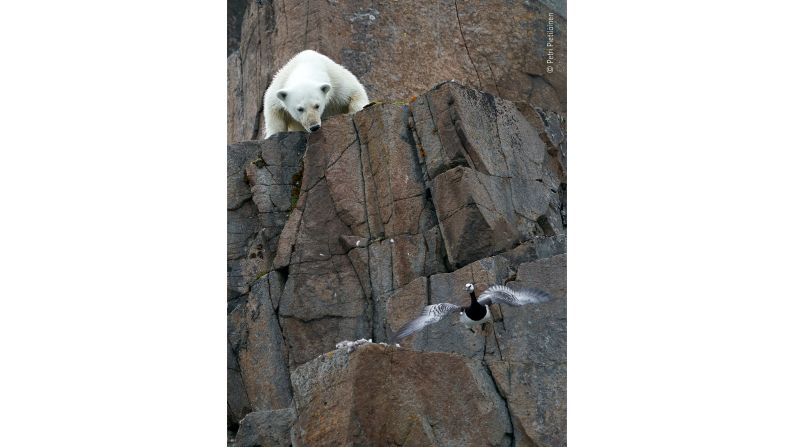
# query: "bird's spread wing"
{"type": "Point", "coordinates": [430, 314]}
{"type": "Point", "coordinates": [512, 297]}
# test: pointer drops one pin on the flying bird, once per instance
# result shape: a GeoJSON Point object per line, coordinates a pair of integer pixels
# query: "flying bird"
{"type": "Point", "coordinates": [475, 313]}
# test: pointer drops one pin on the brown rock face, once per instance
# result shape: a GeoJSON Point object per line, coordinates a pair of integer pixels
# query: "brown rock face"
{"type": "Point", "coordinates": [400, 49]}
{"type": "Point", "coordinates": [532, 371]}
{"type": "Point", "coordinates": [261, 177]}
{"type": "Point", "coordinates": [349, 232]}
{"type": "Point", "coordinates": [493, 181]}
{"type": "Point", "coordinates": [372, 215]}
{"type": "Point", "coordinates": [387, 396]}
{"type": "Point", "coordinates": [269, 428]}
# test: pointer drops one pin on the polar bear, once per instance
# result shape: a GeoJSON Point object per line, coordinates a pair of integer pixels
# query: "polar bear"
{"type": "Point", "coordinates": [310, 87]}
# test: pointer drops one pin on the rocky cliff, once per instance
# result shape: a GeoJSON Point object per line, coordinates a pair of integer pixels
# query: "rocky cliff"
{"type": "Point", "coordinates": [399, 49]}
{"type": "Point", "coordinates": [348, 233]}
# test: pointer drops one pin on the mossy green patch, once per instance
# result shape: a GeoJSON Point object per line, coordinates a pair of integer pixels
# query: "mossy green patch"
{"type": "Point", "coordinates": [295, 193]}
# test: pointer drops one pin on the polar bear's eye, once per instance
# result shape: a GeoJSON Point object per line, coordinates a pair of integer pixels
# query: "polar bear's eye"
{"type": "Point", "coordinates": [300, 109]}
{"type": "Point", "coordinates": [316, 106]}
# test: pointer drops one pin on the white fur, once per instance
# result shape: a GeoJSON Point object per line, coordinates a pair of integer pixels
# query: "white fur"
{"type": "Point", "coordinates": [301, 81]}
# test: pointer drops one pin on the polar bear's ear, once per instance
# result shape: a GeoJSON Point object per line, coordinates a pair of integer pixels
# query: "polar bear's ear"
{"type": "Point", "coordinates": [281, 94]}
{"type": "Point", "coordinates": [325, 88]}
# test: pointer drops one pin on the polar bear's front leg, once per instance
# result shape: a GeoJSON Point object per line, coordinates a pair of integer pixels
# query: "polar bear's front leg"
{"type": "Point", "coordinates": [274, 122]}
{"type": "Point", "coordinates": [357, 102]}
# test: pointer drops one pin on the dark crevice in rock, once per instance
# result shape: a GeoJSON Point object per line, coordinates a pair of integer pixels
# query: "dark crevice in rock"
{"type": "Point", "coordinates": [545, 225]}
{"type": "Point", "coordinates": [371, 305]}
{"type": "Point", "coordinates": [512, 434]}
{"type": "Point", "coordinates": [239, 205]}
{"type": "Point", "coordinates": [414, 140]}
{"type": "Point", "coordinates": [283, 336]}
{"type": "Point", "coordinates": [234, 302]}
{"type": "Point", "coordinates": [235, 11]}
{"type": "Point", "coordinates": [332, 163]}
{"type": "Point", "coordinates": [295, 182]}
{"type": "Point", "coordinates": [472, 160]}
{"type": "Point", "coordinates": [463, 38]}
{"type": "Point", "coordinates": [449, 164]}
{"type": "Point", "coordinates": [231, 425]}
{"type": "Point", "coordinates": [563, 191]}
{"type": "Point", "coordinates": [320, 318]}
{"type": "Point", "coordinates": [257, 133]}
{"type": "Point", "coordinates": [284, 271]}
{"type": "Point", "coordinates": [493, 77]}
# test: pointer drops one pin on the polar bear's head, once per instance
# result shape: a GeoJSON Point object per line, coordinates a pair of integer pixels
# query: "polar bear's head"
{"type": "Point", "coordinates": [305, 103]}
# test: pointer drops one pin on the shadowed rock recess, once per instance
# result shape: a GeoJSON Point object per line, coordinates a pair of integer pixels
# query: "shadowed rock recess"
{"type": "Point", "coordinates": [349, 232]}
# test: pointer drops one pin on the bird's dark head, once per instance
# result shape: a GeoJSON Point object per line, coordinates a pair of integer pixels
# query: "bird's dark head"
{"type": "Point", "coordinates": [470, 287]}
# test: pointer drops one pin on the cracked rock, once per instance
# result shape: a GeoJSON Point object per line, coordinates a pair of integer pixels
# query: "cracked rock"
{"type": "Point", "coordinates": [347, 233]}
{"type": "Point", "coordinates": [383, 395]}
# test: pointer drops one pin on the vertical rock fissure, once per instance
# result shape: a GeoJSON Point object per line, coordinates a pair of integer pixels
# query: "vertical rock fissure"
{"type": "Point", "coordinates": [285, 352]}
{"type": "Point", "coordinates": [495, 84]}
{"type": "Point", "coordinates": [236, 353]}
{"type": "Point", "coordinates": [501, 145]}
{"type": "Point", "coordinates": [460, 28]}
{"type": "Point", "coordinates": [426, 180]}
{"type": "Point", "coordinates": [371, 302]}
{"type": "Point", "coordinates": [363, 181]}
{"type": "Point", "coordinates": [512, 434]}
{"type": "Point", "coordinates": [255, 126]}
{"type": "Point", "coordinates": [361, 147]}
{"type": "Point", "coordinates": [463, 140]}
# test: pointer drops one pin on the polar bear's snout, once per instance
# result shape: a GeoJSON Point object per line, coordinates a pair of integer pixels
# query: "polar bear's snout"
{"type": "Point", "coordinates": [311, 119]}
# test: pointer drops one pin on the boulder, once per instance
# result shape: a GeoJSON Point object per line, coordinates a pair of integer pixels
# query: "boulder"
{"type": "Point", "coordinates": [379, 395]}
{"type": "Point", "coordinates": [269, 428]}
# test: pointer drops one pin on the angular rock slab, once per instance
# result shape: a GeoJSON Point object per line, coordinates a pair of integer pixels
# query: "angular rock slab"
{"type": "Point", "coordinates": [261, 177]}
{"type": "Point", "coordinates": [493, 182]}
{"type": "Point", "coordinates": [380, 395]}
{"type": "Point", "coordinates": [324, 298]}
{"type": "Point", "coordinates": [362, 226]}
{"type": "Point", "coordinates": [536, 400]}
{"type": "Point", "coordinates": [237, 405]}
{"type": "Point", "coordinates": [537, 333]}
{"type": "Point", "coordinates": [400, 215]}
{"type": "Point", "coordinates": [269, 428]}
{"type": "Point", "coordinates": [255, 338]}
{"type": "Point", "coordinates": [533, 375]}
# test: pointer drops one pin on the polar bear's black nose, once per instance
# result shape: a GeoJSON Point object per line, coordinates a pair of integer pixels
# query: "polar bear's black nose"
{"type": "Point", "coordinates": [314, 128]}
